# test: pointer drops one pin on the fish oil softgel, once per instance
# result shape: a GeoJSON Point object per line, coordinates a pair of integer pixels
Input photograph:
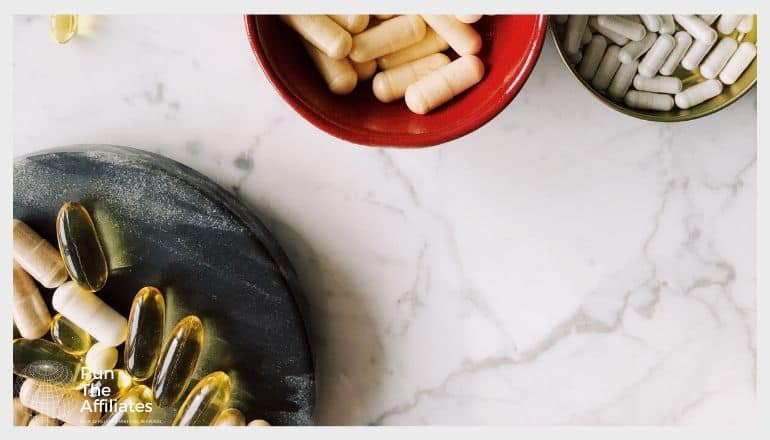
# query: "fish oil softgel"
{"type": "Point", "coordinates": [177, 361]}
{"type": "Point", "coordinates": [133, 409]}
{"type": "Point", "coordinates": [145, 333]}
{"type": "Point", "coordinates": [47, 362]}
{"type": "Point", "coordinates": [632, 58]}
{"type": "Point", "coordinates": [80, 247]}
{"type": "Point", "coordinates": [206, 401]}
{"type": "Point", "coordinates": [70, 337]}
{"type": "Point", "coordinates": [348, 49]}
{"type": "Point", "coordinates": [63, 27]}
{"type": "Point", "coordinates": [230, 417]}
{"type": "Point", "coordinates": [112, 384]}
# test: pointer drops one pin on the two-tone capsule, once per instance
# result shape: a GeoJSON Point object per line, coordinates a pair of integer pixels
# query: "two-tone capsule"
{"type": "Point", "coordinates": [177, 361]}
{"type": "Point", "coordinates": [80, 247]}
{"type": "Point", "coordinates": [206, 401]}
{"type": "Point", "coordinates": [47, 362]}
{"type": "Point", "coordinates": [145, 333]}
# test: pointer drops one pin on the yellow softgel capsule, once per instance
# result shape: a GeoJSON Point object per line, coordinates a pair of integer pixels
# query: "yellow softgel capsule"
{"type": "Point", "coordinates": [133, 409]}
{"type": "Point", "coordinates": [80, 247]}
{"type": "Point", "coordinates": [258, 422]}
{"type": "Point", "coordinates": [145, 333]}
{"type": "Point", "coordinates": [206, 401]}
{"type": "Point", "coordinates": [47, 362]}
{"type": "Point", "coordinates": [111, 384]}
{"type": "Point", "coordinates": [177, 361]}
{"type": "Point", "coordinates": [70, 337]}
{"type": "Point", "coordinates": [63, 27]}
{"type": "Point", "coordinates": [230, 417]}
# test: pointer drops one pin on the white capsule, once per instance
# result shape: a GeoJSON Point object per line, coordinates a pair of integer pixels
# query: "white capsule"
{"type": "Point", "coordinates": [391, 84]}
{"type": "Point", "coordinates": [656, 56]}
{"type": "Point", "coordinates": [658, 84]}
{"type": "Point", "coordinates": [622, 25]}
{"type": "Point", "coordinates": [611, 35]}
{"type": "Point", "coordinates": [37, 256]}
{"type": "Point", "coordinates": [621, 82]}
{"type": "Point", "coordinates": [430, 44]}
{"type": "Point", "coordinates": [651, 22]}
{"type": "Point", "coordinates": [30, 314]}
{"type": "Point", "coordinates": [607, 68]}
{"type": "Point", "coordinates": [683, 42]}
{"type": "Point", "coordinates": [746, 25]}
{"type": "Point", "coordinates": [352, 23]}
{"type": "Point", "coordinates": [592, 56]}
{"type": "Point", "coordinates": [697, 28]}
{"type": "Point", "coordinates": [340, 76]}
{"type": "Point", "coordinates": [561, 19]}
{"type": "Point", "coordinates": [727, 23]}
{"type": "Point", "coordinates": [322, 32]}
{"type": "Point", "coordinates": [587, 35]}
{"type": "Point", "coordinates": [649, 101]}
{"type": "Point", "coordinates": [90, 313]}
{"type": "Point", "coordinates": [443, 84]}
{"type": "Point", "coordinates": [461, 37]}
{"type": "Point", "coordinates": [469, 18]}
{"type": "Point", "coordinates": [739, 62]}
{"type": "Point", "coordinates": [717, 59]}
{"type": "Point", "coordinates": [101, 357]}
{"type": "Point", "coordinates": [709, 19]}
{"type": "Point", "coordinates": [701, 92]}
{"type": "Point", "coordinates": [364, 70]}
{"type": "Point", "coordinates": [667, 25]}
{"type": "Point", "coordinates": [695, 54]}
{"type": "Point", "coordinates": [387, 37]}
{"type": "Point", "coordinates": [634, 49]}
{"type": "Point", "coordinates": [576, 26]}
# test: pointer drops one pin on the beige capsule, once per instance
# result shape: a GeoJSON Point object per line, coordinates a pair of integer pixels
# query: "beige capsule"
{"type": "Point", "coordinates": [365, 70]}
{"type": "Point", "coordinates": [444, 84]}
{"type": "Point", "coordinates": [30, 314]}
{"type": "Point", "coordinates": [339, 75]}
{"type": "Point", "coordinates": [37, 256]}
{"type": "Point", "coordinates": [42, 420]}
{"type": "Point", "coordinates": [461, 37]}
{"type": "Point", "coordinates": [351, 23]}
{"type": "Point", "coordinates": [430, 44]}
{"type": "Point", "coordinates": [90, 313]}
{"type": "Point", "coordinates": [391, 84]}
{"type": "Point", "coordinates": [69, 406]}
{"type": "Point", "coordinates": [101, 357]}
{"type": "Point", "coordinates": [387, 37]}
{"type": "Point", "coordinates": [230, 417]}
{"type": "Point", "coordinates": [258, 422]}
{"type": "Point", "coordinates": [323, 33]}
{"type": "Point", "coordinates": [384, 16]}
{"type": "Point", "coordinates": [21, 414]}
{"type": "Point", "coordinates": [468, 18]}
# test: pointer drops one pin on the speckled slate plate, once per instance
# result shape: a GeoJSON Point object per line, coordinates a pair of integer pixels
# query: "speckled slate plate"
{"type": "Point", "coordinates": [166, 225]}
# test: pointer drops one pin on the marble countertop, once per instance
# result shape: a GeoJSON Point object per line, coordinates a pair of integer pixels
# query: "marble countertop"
{"type": "Point", "coordinates": [565, 264]}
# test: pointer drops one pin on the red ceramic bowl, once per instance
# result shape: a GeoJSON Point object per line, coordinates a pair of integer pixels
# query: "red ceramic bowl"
{"type": "Point", "coordinates": [511, 47]}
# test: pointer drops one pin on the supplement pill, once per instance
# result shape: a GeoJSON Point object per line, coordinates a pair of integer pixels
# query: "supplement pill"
{"type": "Point", "coordinates": [727, 23]}
{"type": "Point", "coordinates": [587, 35]}
{"type": "Point", "coordinates": [339, 75]}
{"type": "Point", "coordinates": [656, 56]}
{"type": "Point", "coordinates": [607, 68]}
{"type": "Point", "coordinates": [21, 414]}
{"type": "Point", "coordinates": [592, 56]}
{"type": "Point", "coordinates": [561, 19]}
{"type": "Point", "coordinates": [145, 333]}
{"type": "Point", "coordinates": [461, 37]}
{"type": "Point", "coordinates": [622, 80]}
{"type": "Point", "coordinates": [63, 27]}
{"type": "Point", "coordinates": [695, 54]}
{"type": "Point", "coordinates": [90, 313]}
{"type": "Point", "coordinates": [70, 337]}
{"type": "Point", "coordinates": [611, 35]}
{"type": "Point", "coordinates": [384, 16]}
{"type": "Point", "coordinates": [649, 101]}
{"type": "Point", "coordinates": [391, 84]}
{"type": "Point", "coordinates": [108, 383]}
{"type": "Point", "coordinates": [230, 417]}
{"type": "Point", "coordinates": [746, 24]}
{"type": "Point", "coordinates": [323, 33]}
{"type": "Point", "coordinates": [351, 23]}
{"type": "Point", "coordinates": [658, 84]}
{"type": "Point", "coordinates": [651, 22]}
{"type": "Point", "coordinates": [80, 247]}
{"type": "Point", "coordinates": [177, 361]}
{"type": "Point", "coordinates": [30, 314]}
{"type": "Point", "coordinates": [718, 57]}
{"type": "Point", "coordinates": [47, 362]}
{"type": "Point", "coordinates": [206, 401]}
{"type": "Point", "coordinates": [709, 19]}
{"type": "Point", "coordinates": [635, 49]}
{"type": "Point", "coordinates": [444, 84]}
{"type": "Point", "coordinates": [667, 24]}
{"type": "Point", "coordinates": [622, 25]}
{"type": "Point", "coordinates": [42, 420]}
{"type": "Point", "coordinates": [697, 28]}
{"type": "Point", "coordinates": [469, 18]}
{"type": "Point", "coordinates": [698, 93]}
{"type": "Point", "coordinates": [69, 406]}
{"type": "Point", "coordinates": [258, 422]}
{"type": "Point", "coordinates": [683, 42]}
{"type": "Point", "coordinates": [430, 44]}
{"type": "Point", "coordinates": [133, 408]}
{"type": "Point", "coordinates": [37, 256]}
{"type": "Point", "coordinates": [364, 70]}
{"type": "Point", "coordinates": [387, 37]}
{"type": "Point", "coordinates": [576, 26]}
{"type": "Point", "coordinates": [739, 62]}
{"type": "Point", "coordinates": [101, 357]}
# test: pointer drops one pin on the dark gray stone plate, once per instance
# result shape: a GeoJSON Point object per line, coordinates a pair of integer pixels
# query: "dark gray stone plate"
{"type": "Point", "coordinates": [166, 225]}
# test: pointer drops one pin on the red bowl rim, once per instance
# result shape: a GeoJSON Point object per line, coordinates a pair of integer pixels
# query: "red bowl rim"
{"type": "Point", "coordinates": [397, 140]}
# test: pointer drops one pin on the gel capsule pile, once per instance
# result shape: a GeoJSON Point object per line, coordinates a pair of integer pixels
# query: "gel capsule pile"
{"type": "Point", "coordinates": [633, 58]}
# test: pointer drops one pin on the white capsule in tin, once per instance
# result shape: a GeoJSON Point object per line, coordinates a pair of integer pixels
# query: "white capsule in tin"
{"type": "Point", "coordinates": [656, 56]}
{"type": "Point", "coordinates": [576, 26]}
{"type": "Point", "coordinates": [701, 92]}
{"type": "Point", "coordinates": [697, 28]}
{"type": "Point", "coordinates": [658, 84]}
{"type": "Point", "coordinates": [727, 23]}
{"type": "Point", "coordinates": [611, 35]}
{"type": "Point", "coordinates": [746, 25]}
{"type": "Point", "coordinates": [622, 80]}
{"type": "Point", "coordinates": [635, 49]}
{"type": "Point", "coordinates": [561, 19]}
{"type": "Point", "coordinates": [717, 59]}
{"type": "Point", "coordinates": [695, 54]}
{"type": "Point", "coordinates": [651, 22]}
{"type": "Point", "coordinates": [667, 25]}
{"type": "Point", "coordinates": [587, 35]}
{"type": "Point", "coordinates": [592, 56]}
{"type": "Point", "coordinates": [739, 62]}
{"type": "Point", "coordinates": [607, 68]}
{"type": "Point", "coordinates": [649, 101]}
{"type": "Point", "coordinates": [624, 26]}
{"type": "Point", "coordinates": [683, 42]}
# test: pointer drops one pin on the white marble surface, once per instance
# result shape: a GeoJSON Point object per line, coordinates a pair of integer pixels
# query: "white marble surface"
{"type": "Point", "coordinates": [565, 264]}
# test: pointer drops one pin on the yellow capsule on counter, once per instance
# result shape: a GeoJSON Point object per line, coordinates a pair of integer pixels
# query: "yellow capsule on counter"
{"type": "Point", "coordinates": [63, 27]}
{"type": "Point", "coordinates": [47, 362]}
{"type": "Point", "coordinates": [206, 401]}
{"type": "Point", "coordinates": [70, 337]}
{"type": "Point", "coordinates": [69, 406]}
{"type": "Point", "coordinates": [145, 333]}
{"type": "Point", "coordinates": [80, 247]}
{"type": "Point", "coordinates": [111, 384]}
{"type": "Point", "coordinates": [177, 361]}
{"type": "Point", "coordinates": [230, 417]}
{"type": "Point", "coordinates": [133, 409]}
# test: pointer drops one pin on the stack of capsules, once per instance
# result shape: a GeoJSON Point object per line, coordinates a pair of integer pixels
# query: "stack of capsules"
{"type": "Point", "coordinates": [408, 50]}
{"type": "Point", "coordinates": [72, 377]}
{"type": "Point", "coordinates": [633, 58]}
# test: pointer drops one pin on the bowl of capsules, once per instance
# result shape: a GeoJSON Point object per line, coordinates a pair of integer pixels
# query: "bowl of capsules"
{"type": "Point", "coordinates": [663, 68]}
{"type": "Point", "coordinates": [400, 80]}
